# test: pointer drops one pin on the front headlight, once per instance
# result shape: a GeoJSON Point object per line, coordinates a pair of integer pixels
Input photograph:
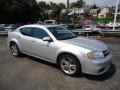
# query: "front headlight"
{"type": "Point", "coordinates": [95, 55]}
{"type": "Point", "coordinates": [98, 55]}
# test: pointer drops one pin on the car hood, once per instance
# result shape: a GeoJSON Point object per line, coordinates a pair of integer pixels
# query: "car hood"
{"type": "Point", "coordinates": [91, 44]}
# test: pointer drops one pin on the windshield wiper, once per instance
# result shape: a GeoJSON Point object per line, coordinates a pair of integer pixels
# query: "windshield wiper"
{"type": "Point", "coordinates": [73, 37]}
{"type": "Point", "coordinates": [68, 38]}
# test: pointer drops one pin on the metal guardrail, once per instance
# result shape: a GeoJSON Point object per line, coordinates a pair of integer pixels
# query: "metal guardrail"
{"type": "Point", "coordinates": [99, 31]}
{"type": "Point", "coordinates": [3, 32]}
{"type": "Point", "coordinates": [109, 31]}
{"type": "Point", "coordinates": [81, 31]}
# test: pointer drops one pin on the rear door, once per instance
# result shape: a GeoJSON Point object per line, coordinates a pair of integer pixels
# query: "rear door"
{"type": "Point", "coordinates": [26, 39]}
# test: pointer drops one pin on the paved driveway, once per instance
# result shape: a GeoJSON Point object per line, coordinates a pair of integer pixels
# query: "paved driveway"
{"type": "Point", "coordinates": [28, 73]}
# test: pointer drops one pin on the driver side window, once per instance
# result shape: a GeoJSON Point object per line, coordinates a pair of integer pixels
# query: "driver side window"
{"type": "Point", "coordinates": [39, 33]}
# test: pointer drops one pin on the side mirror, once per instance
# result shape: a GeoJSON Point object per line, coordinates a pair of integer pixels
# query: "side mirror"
{"type": "Point", "coordinates": [47, 39]}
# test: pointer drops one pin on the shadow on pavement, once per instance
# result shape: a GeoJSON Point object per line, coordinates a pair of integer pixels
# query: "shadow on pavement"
{"type": "Point", "coordinates": [102, 77]}
{"type": "Point", "coordinates": [41, 61]}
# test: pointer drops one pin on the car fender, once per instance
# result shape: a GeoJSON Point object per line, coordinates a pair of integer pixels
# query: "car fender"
{"type": "Point", "coordinates": [76, 53]}
{"type": "Point", "coordinates": [16, 41]}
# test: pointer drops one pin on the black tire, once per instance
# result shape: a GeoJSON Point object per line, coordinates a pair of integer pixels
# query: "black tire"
{"type": "Point", "coordinates": [74, 63]}
{"type": "Point", "coordinates": [15, 50]}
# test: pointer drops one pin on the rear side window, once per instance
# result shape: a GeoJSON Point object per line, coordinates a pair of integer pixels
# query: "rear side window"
{"type": "Point", "coordinates": [39, 33]}
{"type": "Point", "coordinates": [26, 31]}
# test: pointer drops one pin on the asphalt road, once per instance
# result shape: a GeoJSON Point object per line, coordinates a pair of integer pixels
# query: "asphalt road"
{"type": "Point", "coordinates": [28, 73]}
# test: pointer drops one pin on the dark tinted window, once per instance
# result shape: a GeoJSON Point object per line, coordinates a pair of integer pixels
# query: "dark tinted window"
{"type": "Point", "coordinates": [39, 33]}
{"type": "Point", "coordinates": [48, 22]}
{"type": "Point", "coordinates": [26, 31]}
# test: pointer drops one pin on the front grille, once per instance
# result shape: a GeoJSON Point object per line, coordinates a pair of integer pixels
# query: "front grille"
{"type": "Point", "coordinates": [106, 52]}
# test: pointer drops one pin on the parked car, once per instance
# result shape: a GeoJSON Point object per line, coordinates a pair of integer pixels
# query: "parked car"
{"type": "Point", "coordinates": [110, 25]}
{"type": "Point", "coordinates": [50, 22]}
{"type": "Point", "coordinates": [65, 25]}
{"type": "Point", "coordinates": [11, 27]}
{"type": "Point", "coordinates": [68, 24]}
{"type": "Point", "coordinates": [102, 25]}
{"type": "Point", "coordinates": [39, 22]}
{"type": "Point", "coordinates": [91, 26]}
{"type": "Point", "coordinates": [2, 27]}
{"type": "Point", "coordinates": [56, 44]}
{"type": "Point", "coordinates": [70, 27]}
{"type": "Point", "coordinates": [78, 25]}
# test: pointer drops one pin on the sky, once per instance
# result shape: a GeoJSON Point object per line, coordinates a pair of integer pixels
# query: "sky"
{"type": "Point", "coordinates": [88, 2]}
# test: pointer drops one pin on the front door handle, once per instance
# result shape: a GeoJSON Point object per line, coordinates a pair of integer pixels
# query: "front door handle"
{"type": "Point", "coordinates": [33, 41]}
{"type": "Point", "coordinates": [18, 37]}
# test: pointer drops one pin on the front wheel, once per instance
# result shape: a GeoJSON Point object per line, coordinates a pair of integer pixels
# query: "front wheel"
{"type": "Point", "coordinates": [69, 65]}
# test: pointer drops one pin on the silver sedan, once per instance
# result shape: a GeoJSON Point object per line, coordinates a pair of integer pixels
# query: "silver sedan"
{"type": "Point", "coordinates": [58, 45]}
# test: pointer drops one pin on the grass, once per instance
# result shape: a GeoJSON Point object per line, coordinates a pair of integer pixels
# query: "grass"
{"type": "Point", "coordinates": [105, 20]}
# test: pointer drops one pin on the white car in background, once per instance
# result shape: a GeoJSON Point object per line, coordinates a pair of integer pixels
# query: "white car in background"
{"type": "Point", "coordinates": [39, 22]}
{"type": "Point", "coordinates": [91, 26]}
{"type": "Point", "coordinates": [110, 25]}
{"type": "Point", "coordinates": [50, 22]}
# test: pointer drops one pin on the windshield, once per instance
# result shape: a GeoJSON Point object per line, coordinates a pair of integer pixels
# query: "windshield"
{"type": "Point", "coordinates": [61, 33]}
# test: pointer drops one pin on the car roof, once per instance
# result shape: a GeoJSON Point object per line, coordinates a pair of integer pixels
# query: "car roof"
{"type": "Point", "coordinates": [40, 26]}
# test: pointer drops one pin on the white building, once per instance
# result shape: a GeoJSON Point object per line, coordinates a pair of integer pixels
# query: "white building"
{"type": "Point", "coordinates": [105, 12]}
{"type": "Point", "coordinates": [81, 11]}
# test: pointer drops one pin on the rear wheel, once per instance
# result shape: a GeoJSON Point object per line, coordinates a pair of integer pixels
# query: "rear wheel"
{"type": "Point", "coordinates": [15, 50]}
{"type": "Point", "coordinates": [69, 65]}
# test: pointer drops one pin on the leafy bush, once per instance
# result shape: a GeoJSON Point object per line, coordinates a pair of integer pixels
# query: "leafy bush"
{"type": "Point", "coordinates": [105, 20]}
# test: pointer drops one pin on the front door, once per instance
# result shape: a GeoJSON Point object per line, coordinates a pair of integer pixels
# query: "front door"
{"type": "Point", "coordinates": [40, 48]}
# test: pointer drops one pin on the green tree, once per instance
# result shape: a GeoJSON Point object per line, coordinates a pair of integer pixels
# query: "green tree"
{"type": "Point", "coordinates": [51, 11]}
{"type": "Point", "coordinates": [78, 4]}
{"type": "Point", "coordinates": [18, 11]}
{"type": "Point", "coordinates": [94, 6]}
{"type": "Point", "coordinates": [61, 6]}
{"type": "Point", "coordinates": [44, 9]}
{"type": "Point", "coordinates": [30, 10]}
{"type": "Point", "coordinates": [55, 11]}
{"type": "Point", "coordinates": [42, 5]}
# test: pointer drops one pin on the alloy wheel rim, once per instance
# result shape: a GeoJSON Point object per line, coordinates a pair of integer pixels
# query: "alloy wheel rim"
{"type": "Point", "coordinates": [14, 50]}
{"type": "Point", "coordinates": [68, 65]}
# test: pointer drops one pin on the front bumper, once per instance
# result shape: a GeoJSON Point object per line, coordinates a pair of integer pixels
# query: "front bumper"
{"type": "Point", "coordinates": [98, 67]}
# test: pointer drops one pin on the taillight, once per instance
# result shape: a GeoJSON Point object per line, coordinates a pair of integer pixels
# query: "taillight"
{"type": "Point", "coordinates": [97, 26]}
{"type": "Point", "coordinates": [87, 26]}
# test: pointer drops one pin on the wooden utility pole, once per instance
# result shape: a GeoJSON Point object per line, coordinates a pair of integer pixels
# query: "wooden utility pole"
{"type": "Point", "coordinates": [68, 4]}
{"type": "Point", "coordinates": [115, 17]}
